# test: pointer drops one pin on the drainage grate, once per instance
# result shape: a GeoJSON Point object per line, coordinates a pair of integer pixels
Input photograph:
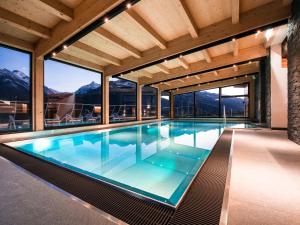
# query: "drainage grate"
{"type": "Point", "coordinates": [201, 205]}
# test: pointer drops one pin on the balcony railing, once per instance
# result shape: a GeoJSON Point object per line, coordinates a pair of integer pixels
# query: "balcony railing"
{"type": "Point", "coordinates": [66, 114]}
{"type": "Point", "coordinates": [14, 115]}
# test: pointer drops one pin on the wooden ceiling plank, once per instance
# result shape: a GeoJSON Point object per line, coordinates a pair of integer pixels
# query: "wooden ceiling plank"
{"type": "Point", "coordinates": [24, 24]}
{"type": "Point", "coordinates": [183, 62]}
{"type": "Point", "coordinates": [87, 12]}
{"type": "Point", "coordinates": [252, 19]}
{"type": "Point", "coordinates": [118, 42]}
{"type": "Point", "coordinates": [206, 55]}
{"type": "Point", "coordinates": [187, 17]}
{"type": "Point", "coordinates": [104, 56]}
{"type": "Point", "coordinates": [58, 9]}
{"type": "Point", "coordinates": [235, 11]}
{"type": "Point", "coordinates": [218, 61]}
{"type": "Point", "coordinates": [15, 42]}
{"type": "Point", "coordinates": [78, 61]}
{"type": "Point", "coordinates": [152, 34]}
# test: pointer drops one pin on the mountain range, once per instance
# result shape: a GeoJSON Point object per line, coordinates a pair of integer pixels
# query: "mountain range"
{"type": "Point", "coordinates": [15, 85]}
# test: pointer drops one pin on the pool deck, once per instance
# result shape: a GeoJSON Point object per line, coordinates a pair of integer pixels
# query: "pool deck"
{"type": "Point", "coordinates": [264, 188]}
{"type": "Point", "coordinates": [265, 181]}
{"type": "Point", "coordinates": [27, 200]}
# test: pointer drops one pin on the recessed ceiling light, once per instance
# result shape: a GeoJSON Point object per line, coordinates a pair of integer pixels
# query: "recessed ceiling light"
{"type": "Point", "coordinates": [65, 46]}
{"type": "Point", "coordinates": [106, 19]}
{"type": "Point", "coordinates": [53, 54]}
{"type": "Point", "coordinates": [128, 5]}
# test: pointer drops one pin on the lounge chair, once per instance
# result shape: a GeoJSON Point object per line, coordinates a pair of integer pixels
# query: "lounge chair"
{"type": "Point", "coordinates": [70, 119]}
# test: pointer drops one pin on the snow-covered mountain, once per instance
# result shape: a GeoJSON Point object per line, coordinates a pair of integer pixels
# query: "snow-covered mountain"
{"type": "Point", "coordinates": [88, 88]}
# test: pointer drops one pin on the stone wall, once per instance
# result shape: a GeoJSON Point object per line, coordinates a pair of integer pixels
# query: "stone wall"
{"type": "Point", "coordinates": [265, 89]}
{"type": "Point", "coordinates": [294, 73]}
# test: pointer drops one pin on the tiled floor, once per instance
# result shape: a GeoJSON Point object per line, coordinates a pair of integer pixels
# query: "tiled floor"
{"type": "Point", "coordinates": [26, 200]}
{"type": "Point", "coordinates": [265, 179]}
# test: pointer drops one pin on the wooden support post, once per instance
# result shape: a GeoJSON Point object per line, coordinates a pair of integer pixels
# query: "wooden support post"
{"type": "Point", "coordinates": [105, 100]}
{"type": "Point", "coordinates": [139, 102]}
{"type": "Point", "coordinates": [158, 104]}
{"type": "Point", "coordinates": [172, 106]}
{"type": "Point", "coordinates": [38, 94]}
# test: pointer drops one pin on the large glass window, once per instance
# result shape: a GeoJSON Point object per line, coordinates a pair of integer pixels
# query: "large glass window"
{"type": "Point", "coordinates": [73, 95]}
{"type": "Point", "coordinates": [149, 102]}
{"type": "Point", "coordinates": [165, 104]}
{"type": "Point", "coordinates": [184, 105]}
{"type": "Point", "coordinates": [207, 103]}
{"type": "Point", "coordinates": [122, 100]}
{"type": "Point", "coordinates": [235, 101]}
{"type": "Point", "coordinates": [232, 100]}
{"type": "Point", "coordinates": [15, 90]}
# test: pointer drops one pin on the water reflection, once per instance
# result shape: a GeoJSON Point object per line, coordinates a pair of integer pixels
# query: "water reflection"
{"type": "Point", "coordinates": [157, 160]}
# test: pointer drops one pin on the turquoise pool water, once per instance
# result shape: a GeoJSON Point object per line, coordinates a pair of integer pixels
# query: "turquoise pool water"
{"type": "Point", "coordinates": [157, 160]}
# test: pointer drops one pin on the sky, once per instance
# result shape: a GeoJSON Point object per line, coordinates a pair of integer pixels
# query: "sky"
{"type": "Point", "coordinates": [14, 60]}
{"type": "Point", "coordinates": [65, 78]}
{"type": "Point", "coordinates": [60, 76]}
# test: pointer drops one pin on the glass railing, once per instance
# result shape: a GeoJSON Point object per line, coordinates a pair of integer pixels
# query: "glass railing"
{"type": "Point", "coordinates": [184, 111]}
{"type": "Point", "coordinates": [67, 114]}
{"type": "Point", "coordinates": [149, 112]}
{"type": "Point", "coordinates": [120, 113]}
{"type": "Point", "coordinates": [14, 115]}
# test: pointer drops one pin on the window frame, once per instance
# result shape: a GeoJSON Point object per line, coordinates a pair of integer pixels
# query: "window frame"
{"type": "Point", "coordinates": [101, 91]}
{"type": "Point", "coordinates": [220, 104]}
{"type": "Point", "coordinates": [235, 96]}
{"type": "Point", "coordinates": [30, 90]}
{"type": "Point", "coordinates": [136, 100]}
{"type": "Point", "coordinates": [156, 117]}
{"type": "Point", "coordinates": [169, 116]}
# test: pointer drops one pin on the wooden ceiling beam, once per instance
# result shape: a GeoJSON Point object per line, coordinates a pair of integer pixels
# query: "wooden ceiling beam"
{"type": "Point", "coordinates": [58, 9]}
{"type": "Point", "coordinates": [118, 42]}
{"type": "Point", "coordinates": [217, 62]}
{"type": "Point", "coordinates": [102, 55]}
{"type": "Point", "coordinates": [235, 47]}
{"type": "Point", "coordinates": [15, 42]}
{"type": "Point", "coordinates": [152, 34]}
{"type": "Point", "coordinates": [162, 68]}
{"type": "Point", "coordinates": [249, 20]}
{"type": "Point", "coordinates": [183, 62]}
{"type": "Point", "coordinates": [206, 55]}
{"type": "Point", "coordinates": [78, 61]}
{"type": "Point", "coordinates": [87, 12]}
{"type": "Point", "coordinates": [235, 11]}
{"type": "Point", "coordinates": [187, 17]}
{"type": "Point", "coordinates": [24, 24]}
{"type": "Point", "coordinates": [207, 77]}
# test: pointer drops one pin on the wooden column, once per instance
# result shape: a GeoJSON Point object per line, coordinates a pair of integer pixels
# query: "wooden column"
{"type": "Point", "coordinates": [38, 94]}
{"type": "Point", "coordinates": [139, 102]}
{"type": "Point", "coordinates": [172, 106]}
{"type": "Point", "coordinates": [105, 100]}
{"type": "Point", "coordinates": [158, 104]}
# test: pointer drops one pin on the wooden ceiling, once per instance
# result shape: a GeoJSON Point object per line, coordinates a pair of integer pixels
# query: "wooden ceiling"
{"type": "Point", "coordinates": [146, 33]}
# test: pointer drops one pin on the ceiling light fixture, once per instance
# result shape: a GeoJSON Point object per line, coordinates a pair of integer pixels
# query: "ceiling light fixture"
{"type": "Point", "coordinates": [269, 33]}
